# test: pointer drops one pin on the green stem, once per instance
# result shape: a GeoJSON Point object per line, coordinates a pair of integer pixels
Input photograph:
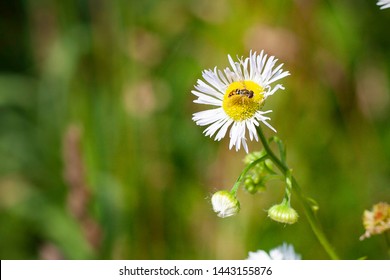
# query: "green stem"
{"type": "Point", "coordinates": [243, 173]}
{"type": "Point", "coordinates": [313, 221]}
{"type": "Point", "coordinates": [289, 187]}
{"type": "Point", "coordinates": [387, 238]}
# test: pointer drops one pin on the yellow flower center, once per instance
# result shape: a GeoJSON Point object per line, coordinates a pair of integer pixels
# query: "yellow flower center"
{"type": "Point", "coordinates": [242, 100]}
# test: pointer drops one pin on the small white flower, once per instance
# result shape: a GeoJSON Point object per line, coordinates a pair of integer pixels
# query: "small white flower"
{"type": "Point", "coordinates": [283, 252]}
{"type": "Point", "coordinates": [225, 204]}
{"type": "Point", "coordinates": [384, 4]}
{"type": "Point", "coordinates": [239, 94]}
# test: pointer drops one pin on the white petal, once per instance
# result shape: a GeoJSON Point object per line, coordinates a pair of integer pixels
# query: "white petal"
{"type": "Point", "coordinates": [237, 133]}
{"type": "Point", "coordinates": [232, 135]}
{"type": "Point", "coordinates": [384, 3]}
{"type": "Point", "coordinates": [222, 131]}
{"type": "Point", "coordinates": [208, 90]}
{"type": "Point", "coordinates": [278, 76]}
{"type": "Point", "coordinates": [245, 145]}
{"type": "Point", "coordinates": [213, 79]}
{"type": "Point", "coordinates": [245, 66]}
{"type": "Point", "coordinates": [252, 65]}
{"type": "Point", "coordinates": [222, 77]}
{"type": "Point", "coordinates": [264, 121]}
{"type": "Point", "coordinates": [269, 93]}
{"type": "Point", "coordinates": [258, 255]}
{"type": "Point", "coordinates": [236, 68]}
{"type": "Point", "coordinates": [268, 69]}
{"type": "Point", "coordinates": [231, 76]}
{"type": "Point", "coordinates": [206, 99]}
{"type": "Point", "coordinates": [251, 125]}
{"type": "Point", "coordinates": [208, 116]}
{"type": "Point", "coordinates": [209, 131]}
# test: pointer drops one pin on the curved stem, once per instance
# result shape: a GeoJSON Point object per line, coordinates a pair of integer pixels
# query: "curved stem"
{"type": "Point", "coordinates": [313, 221]}
{"type": "Point", "coordinates": [243, 173]}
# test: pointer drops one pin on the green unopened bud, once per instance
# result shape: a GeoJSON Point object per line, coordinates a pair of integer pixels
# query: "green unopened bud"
{"type": "Point", "coordinates": [283, 213]}
{"type": "Point", "coordinates": [250, 188]}
{"type": "Point", "coordinates": [254, 184]}
{"type": "Point", "coordinates": [225, 204]}
{"type": "Point", "coordinates": [253, 188]}
{"type": "Point", "coordinates": [251, 157]}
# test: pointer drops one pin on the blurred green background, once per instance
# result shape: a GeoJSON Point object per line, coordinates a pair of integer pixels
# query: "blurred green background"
{"type": "Point", "coordinates": [99, 157]}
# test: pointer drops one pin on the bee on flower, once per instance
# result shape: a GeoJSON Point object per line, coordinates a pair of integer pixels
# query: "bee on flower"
{"type": "Point", "coordinates": [239, 94]}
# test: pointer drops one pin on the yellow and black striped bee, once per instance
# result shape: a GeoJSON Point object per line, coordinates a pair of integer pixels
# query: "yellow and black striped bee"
{"type": "Point", "coordinates": [243, 92]}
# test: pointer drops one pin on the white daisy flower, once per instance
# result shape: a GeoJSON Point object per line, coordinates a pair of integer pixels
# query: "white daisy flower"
{"type": "Point", "coordinates": [239, 94]}
{"type": "Point", "coordinates": [384, 4]}
{"type": "Point", "coordinates": [283, 252]}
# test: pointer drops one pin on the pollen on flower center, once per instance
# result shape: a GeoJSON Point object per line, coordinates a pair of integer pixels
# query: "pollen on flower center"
{"type": "Point", "coordinates": [242, 100]}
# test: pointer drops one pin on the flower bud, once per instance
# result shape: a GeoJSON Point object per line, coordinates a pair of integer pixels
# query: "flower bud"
{"type": "Point", "coordinates": [256, 179]}
{"type": "Point", "coordinates": [251, 157]}
{"type": "Point", "coordinates": [253, 188]}
{"type": "Point", "coordinates": [225, 204]}
{"type": "Point", "coordinates": [283, 213]}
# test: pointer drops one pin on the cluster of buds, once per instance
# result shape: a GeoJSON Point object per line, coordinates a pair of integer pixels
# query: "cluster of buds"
{"type": "Point", "coordinates": [255, 180]}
